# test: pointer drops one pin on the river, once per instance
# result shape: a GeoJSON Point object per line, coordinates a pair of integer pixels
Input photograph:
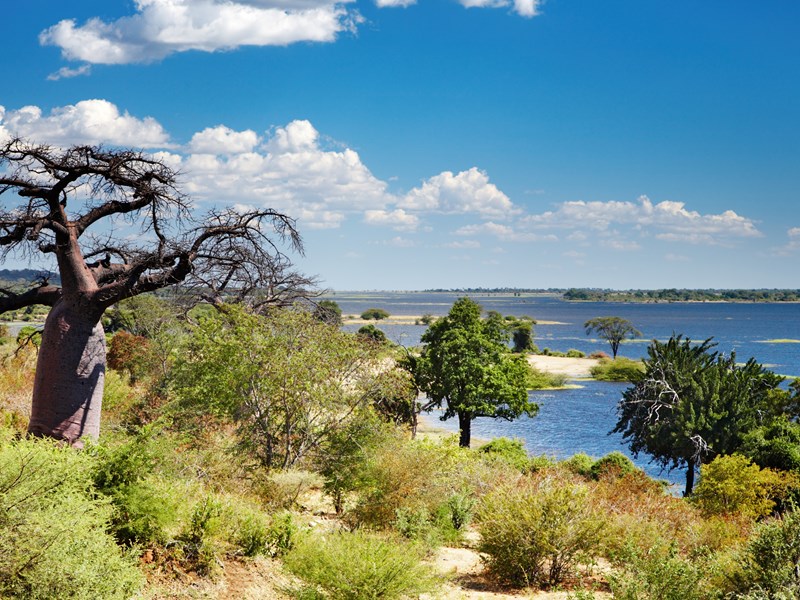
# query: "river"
{"type": "Point", "coordinates": [579, 420]}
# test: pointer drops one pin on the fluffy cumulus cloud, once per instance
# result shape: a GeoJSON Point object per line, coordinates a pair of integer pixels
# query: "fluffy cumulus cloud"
{"type": "Point", "coordinates": [87, 122]}
{"type": "Point", "coordinates": [222, 140]}
{"type": "Point", "coordinates": [159, 28]}
{"type": "Point", "coordinates": [666, 220]}
{"type": "Point", "coordinates": [466, 192]}
{"type": "Point", "coordinates": [162, 27]}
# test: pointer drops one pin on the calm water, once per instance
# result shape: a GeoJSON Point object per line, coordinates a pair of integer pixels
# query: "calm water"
{"type": "Point", "coordinates": [579, 420]}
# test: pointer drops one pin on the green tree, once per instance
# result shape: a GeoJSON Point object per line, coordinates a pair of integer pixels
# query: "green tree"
{"type": "Point", "coordinates": [465, 366]}
{"type": "Point", "coordinates": [370, 332]}
{"type": "Point", "coordinates": [613, 330]}
{"type": "Point", "coordinates": [374, 314]}
{"type": "Point", "coordinates": [328, 311]}
{"type": "Point", "coordinates": [692, 404]}
{"type": "Point", "coordinates": [522, 334]}
{"type": "Point", "coordinates": [287, 380]}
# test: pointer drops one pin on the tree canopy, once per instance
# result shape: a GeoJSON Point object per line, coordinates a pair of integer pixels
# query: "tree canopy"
{"type": "Point", "coordinates": [612, 329]}
{"type": "Point", "coordinates": [692, 404]}
{"type": "Point", "coordinates": [465, 366]}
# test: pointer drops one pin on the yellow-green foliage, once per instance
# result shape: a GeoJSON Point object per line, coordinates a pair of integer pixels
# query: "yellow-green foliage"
{"type": "Point", "coordinates": [540, 380]}
{"type": "Point", "coordinates": [733, 485]}
{"type": "Point", "coordinates": [361, 566]}
{"type": "Point", "coordinates": [536, 531]}
{"type": "Point", "coordinates": [53, 538]}
{"type": "Point", "coordinates": [618, 369]}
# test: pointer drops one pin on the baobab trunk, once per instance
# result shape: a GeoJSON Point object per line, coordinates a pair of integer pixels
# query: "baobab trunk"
{"type": "Point", "coordinates": [70, 373]}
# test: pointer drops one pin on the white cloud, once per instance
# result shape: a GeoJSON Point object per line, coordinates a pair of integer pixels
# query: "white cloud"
{"type": "Point", "coordinates": [394, 3]}
{"type": "Point", "coordinates": [162, 27]}
{"type": "Point", "coordinates": [524, 8]}
{"type": "Point", "coordinates": [222, 140]}
{"type": "Point", "coordinates": [66, 72]}
{"type": "Point", "coordinates": [670, 220]}
{"type": "Point", "coordinates": [467, 192]}
{"type": "Point", "coordinates": [793, 232]}
{"type": "Point", "coordinates": [397, 219]}
{"type": "Point", "coordinates": [504, 232]}
{"type": "Point", "coordinates": [87, 122]}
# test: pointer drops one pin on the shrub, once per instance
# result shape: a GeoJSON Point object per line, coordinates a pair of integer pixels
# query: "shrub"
{"type": "Point", "coordinates": [361, 566]}
{"type": "Point", "coordinates": [511, 452]}
{"type": "Point", "coordinates": [253, 534]}
{"type": "Point", "coordinates": [659, 573]}
{"type": "Point", "coordinates": [371, 332]}
{"type": "Point", "coordinates": [374, 314]}
{"type": "Point", "coordinates": [732, 485]}
{"type": "Point", "coordinates": [282, 534]}
{"type": "Point", "coordinates": [539, 380]}
{"type": "Point", "coordinates": [198, 543]}
{"type": "Point", "coordinates": [619, 369]}
{"type": "Point", "coordinates": [572, 353]}
{"type": "Point", "coordinates": [53, 530]}
{"type": "Point", "coordinates": [580, 464]}
{"type": "Point", "coordinates": [536, 532]}
{"type": "Point", "coordinates": [613, 464]}
{"type": "Point", "coordinates": [770, 559]}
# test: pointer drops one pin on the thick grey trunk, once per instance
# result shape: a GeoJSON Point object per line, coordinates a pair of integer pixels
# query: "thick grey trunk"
{"type": "Point", "coordinates": [70, 373]}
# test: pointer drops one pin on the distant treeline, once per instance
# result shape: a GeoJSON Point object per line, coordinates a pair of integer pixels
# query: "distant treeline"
{"type": "Point", "coordinates": [17, 276]}
{"type": "Point", "coordinates": [500, 290]}
{"type": "Point", "coordinates": [681, 295]}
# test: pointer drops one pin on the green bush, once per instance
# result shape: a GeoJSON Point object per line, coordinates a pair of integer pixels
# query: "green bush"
{"type": "Point", "coordinates": [618, 369]}
{"type": "Point", "coordinates": [374, 314]}
{"type": "Point", "coordinates": [143, 510]}
{"type": "Point", "coordinates": [768, 567]}
{"type": "Point", "coordinates": [53, 538]}
{"type": "Point", "coordinates": [197, 539]}
{"type": "Point", "coordinates": [536, 532]}
{"type": "Point", "coordinates": [361, 566]}
{"type": "Point", "coordinates": [540, 380]}
{"type": "Point", "coordinates": [572, 353]}
{"type": "Point", "coordinates": [253, 534]}
{"type": "Point", "coordinates": [282, 534]}
{"type": "Point", "coordinates": [580, 464]}
{"type": "Point", "coordinates": [511, 452]}
{"type": "Point", "coordinates": [659, 573]}
{"type": "Point", "coordinates": [614, 464]}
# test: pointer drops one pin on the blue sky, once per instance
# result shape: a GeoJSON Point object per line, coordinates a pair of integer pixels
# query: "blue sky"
{"type": "Point", "coordinates": [449, 143]}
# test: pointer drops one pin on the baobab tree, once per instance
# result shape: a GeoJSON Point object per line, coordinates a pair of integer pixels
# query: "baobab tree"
{"type": "Point", "coordinates": [118, 226]}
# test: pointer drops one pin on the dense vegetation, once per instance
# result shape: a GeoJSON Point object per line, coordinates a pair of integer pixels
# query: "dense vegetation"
{"type": "Point", "coordinates": [279, 446]}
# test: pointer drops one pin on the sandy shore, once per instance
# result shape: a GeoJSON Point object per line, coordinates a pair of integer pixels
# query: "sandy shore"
{"type": "Point", "coordinates": [571, 367]}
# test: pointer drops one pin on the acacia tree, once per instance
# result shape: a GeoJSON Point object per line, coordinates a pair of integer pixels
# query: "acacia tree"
{"type": "Point", "coordinates": [692, 404]}
{"type": "Point", "coordinates": [287, 380]}
{"type": "Point", "coordinates": [465, 365]}
{"type": "Point", "coordinates": [613, 330]}
{"type": "Point", "coordinates": [52, 198]}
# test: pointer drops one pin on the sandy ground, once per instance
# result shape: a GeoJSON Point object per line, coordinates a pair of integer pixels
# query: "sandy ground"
{"type": "Point", "coordinates": [571, 367]}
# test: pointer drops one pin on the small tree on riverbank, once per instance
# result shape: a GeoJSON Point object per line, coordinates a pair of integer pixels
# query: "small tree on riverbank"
{"type": "Point", "coordinates": [465, 366]}
{"type": "Point", "coordinates": [612, 329]}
